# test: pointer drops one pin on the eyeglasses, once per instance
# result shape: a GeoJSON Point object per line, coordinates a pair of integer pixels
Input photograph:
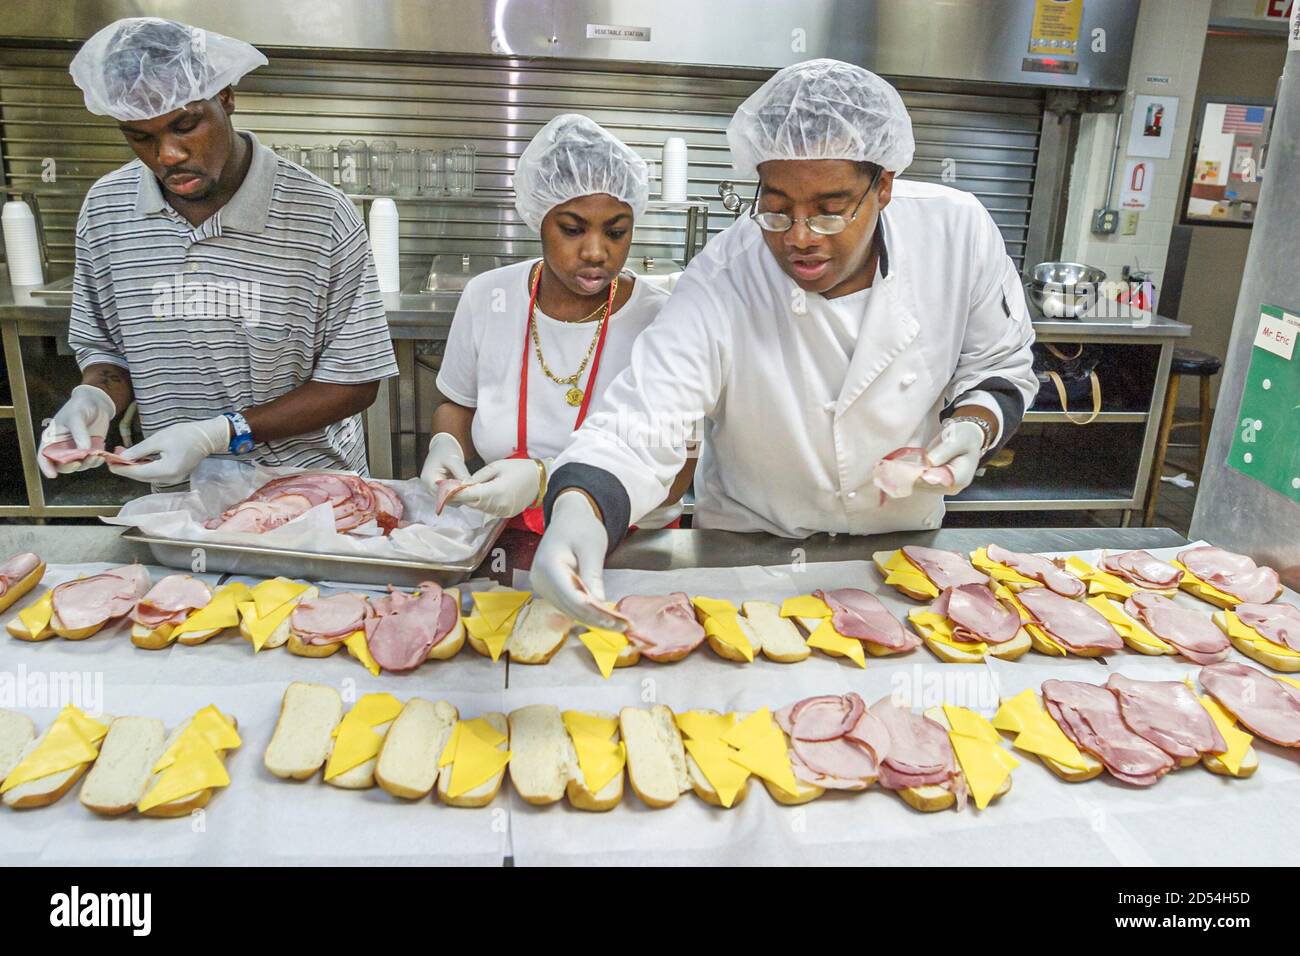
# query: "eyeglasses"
{"type": "Point", "coordinates": [823, 225]}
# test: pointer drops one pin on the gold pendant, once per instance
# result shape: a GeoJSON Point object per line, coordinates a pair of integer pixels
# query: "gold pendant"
{"type": "Point", "coordinates": [573, 396]}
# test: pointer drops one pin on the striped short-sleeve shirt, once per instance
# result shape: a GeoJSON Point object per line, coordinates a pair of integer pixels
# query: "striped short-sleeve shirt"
{"type": "Point", "coordinates": [275, 289]}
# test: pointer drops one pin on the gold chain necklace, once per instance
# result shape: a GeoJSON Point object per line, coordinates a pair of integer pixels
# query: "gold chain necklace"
{"type": "Point", "coordinates": [574, 395]}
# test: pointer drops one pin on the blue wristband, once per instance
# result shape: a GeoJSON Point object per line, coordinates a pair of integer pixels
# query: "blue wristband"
{"type": "Point", "coordinates": [241, 441]}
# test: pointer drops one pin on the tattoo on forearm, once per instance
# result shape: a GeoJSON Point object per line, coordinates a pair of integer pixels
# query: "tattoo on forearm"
{"type": "Point", "coordinates": [108, 375]}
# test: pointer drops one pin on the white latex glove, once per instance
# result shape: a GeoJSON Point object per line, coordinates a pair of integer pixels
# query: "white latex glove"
{"type": "Point", "coordinates": [569, 566]}
{"type": "Point", "coordinates": [446, 459]}
{"type": "Point", "coordinates": [958, 446]}
{"type": "Point", "coordinates": [178, 449]}
{"type": "Point", "coordinates": [85, 415]}
{"type": "Point", "coordinates": [504, 488]}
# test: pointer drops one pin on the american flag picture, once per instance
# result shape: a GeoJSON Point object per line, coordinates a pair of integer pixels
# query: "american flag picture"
{"type": "Point", "coordinates": [1243, 119]}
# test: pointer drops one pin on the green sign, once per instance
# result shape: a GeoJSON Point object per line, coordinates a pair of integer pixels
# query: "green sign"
{"type": "Point", "coordinates": [1266, 435]}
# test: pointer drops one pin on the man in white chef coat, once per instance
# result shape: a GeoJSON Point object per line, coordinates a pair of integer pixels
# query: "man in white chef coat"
{"type": "Point", "coordinates": [850, 315]}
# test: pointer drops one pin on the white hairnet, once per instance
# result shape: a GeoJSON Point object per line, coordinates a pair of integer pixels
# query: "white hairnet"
{"type": "Point", "coordinates": [822, 109]}
{"type": "Point", "coordinates": [573, 156]}
{"type": "Point", "coordinates": [142, 67]}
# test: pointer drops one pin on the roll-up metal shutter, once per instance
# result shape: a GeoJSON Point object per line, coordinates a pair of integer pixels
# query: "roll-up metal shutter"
{"type": "Point", "coordinates": [983, 140]}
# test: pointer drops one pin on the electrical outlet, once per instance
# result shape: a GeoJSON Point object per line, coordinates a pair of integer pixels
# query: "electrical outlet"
{"type": "Point", "coordinates": [1129, 223]}
{"type": "Point", "coordinates": [1104, 221]}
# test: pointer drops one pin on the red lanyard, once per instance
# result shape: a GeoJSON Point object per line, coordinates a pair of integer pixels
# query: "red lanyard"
{"type": "Point", "coordinates": [521, 446]}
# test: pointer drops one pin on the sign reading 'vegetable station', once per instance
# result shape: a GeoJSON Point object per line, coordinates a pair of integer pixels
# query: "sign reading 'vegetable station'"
{"type": "Point", "coordinates": [1266, 435]}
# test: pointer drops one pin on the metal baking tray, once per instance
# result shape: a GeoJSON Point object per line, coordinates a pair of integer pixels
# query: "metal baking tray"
{"type": "Point", "coordinates": [255, 561]}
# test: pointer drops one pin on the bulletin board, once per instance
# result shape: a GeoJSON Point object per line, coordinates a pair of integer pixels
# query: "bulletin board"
{"type": "Point", "coordinates": [1266, 434]}
{"type": "Point", "coordinates": [1228, 161]}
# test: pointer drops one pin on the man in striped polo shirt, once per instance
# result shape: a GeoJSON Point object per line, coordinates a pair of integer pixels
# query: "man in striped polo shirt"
{"type": "Point", "coordinates": [229, 292]}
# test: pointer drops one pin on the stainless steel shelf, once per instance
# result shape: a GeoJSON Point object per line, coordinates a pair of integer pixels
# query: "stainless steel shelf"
{"type": "Point", "coordinates": [1104, 417]}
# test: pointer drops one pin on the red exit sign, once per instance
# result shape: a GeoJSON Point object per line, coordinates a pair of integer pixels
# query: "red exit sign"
{"type": "Point", "coordinates": [1274, 9]}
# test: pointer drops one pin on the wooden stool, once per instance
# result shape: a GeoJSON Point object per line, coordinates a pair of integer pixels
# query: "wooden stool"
{"type": "Point", "coordinates": [1185, 362]}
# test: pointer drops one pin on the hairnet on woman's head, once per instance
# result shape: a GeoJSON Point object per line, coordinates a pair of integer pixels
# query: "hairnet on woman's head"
{"type": "Point", "coordinates": [142, 67]}
{"type": "Point", "coordinates": [822, 109]}
{"type": "Point", "coordinates": [573, 156]}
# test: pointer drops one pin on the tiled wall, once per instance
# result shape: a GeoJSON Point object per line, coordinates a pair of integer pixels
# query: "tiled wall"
{"type": "Point", "coordinates": [1169, 41]}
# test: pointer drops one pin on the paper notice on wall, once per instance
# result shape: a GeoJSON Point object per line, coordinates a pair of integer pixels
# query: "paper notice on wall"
{"type": "Point", "coordinates": [1135, 191]}
{"type": "Point", "coordinates": [1056, 27]}
{"type": "Point", "coordinates": [1151, 126]}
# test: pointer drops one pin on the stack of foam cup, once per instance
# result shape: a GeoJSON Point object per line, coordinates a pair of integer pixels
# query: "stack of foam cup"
{"type": "Point", "coordinates": [384, 243]}
{"type": "Point", "coordinates": [22, 250]}
{"type": "Point", "coordinates": [675, 171]}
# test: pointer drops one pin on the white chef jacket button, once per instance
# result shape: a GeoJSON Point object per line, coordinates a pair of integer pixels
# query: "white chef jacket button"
{"type": "Point", "coordinates": [828, 407]}
{"type": "Point", "coordinates": [852, 494]}
{"type": "Point", "coordinates": [908, 379]}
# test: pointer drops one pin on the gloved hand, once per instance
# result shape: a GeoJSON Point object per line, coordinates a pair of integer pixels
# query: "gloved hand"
{"type": "Point", "coordinates": [958, 446]}
{"type": "Point", "coordinates": [569, 566]}
{"type": "Point", "coordinates": [85, 415]}
{"type": "Point", "coordinates": [178, 449]}
{"type": "Point", "coordinates": [505, 488]}
{"type": "Point", "coordinates": [445, 460]}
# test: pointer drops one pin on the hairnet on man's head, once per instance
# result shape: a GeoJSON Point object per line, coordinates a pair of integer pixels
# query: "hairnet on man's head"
{"type": "Point", "coordinates": [573, 156]}
{"type": "Point", "coordinates": [822, 109]}
{"type": "Point", "coordinates": [143, 67]}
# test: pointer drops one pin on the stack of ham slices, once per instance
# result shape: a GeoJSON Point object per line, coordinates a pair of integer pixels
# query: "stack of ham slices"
{"type": "Point", "coordinates": [83, 606]}
{"type": "Point", "coordinates": [1279, 623]}
{"type": "Point", "coordinates": [977, 615]}
{"type": "Point", "coordinates": [835, 742]}
{"type": "Point", "coordinates": [1233, 574]}
{"type": "Point", "coordinates": [17, 568]}
{"type": "Point", "coordinates": [860, 615]}
{"type": "Point", "coordinates": [355, 501]}
{"type": "Point", "coordinates": [1072, 624]}
{"type": "Point", "coordinates": [1143, 570]}
{"type": "Point", "coordinates": [1047, 572]}
{"type": "Point", "coordinates": [170, 601]}
{"type": "Point", "coordinates": [920, 753]}
{"type": "Point", "coordinates": [945, 569]}
{"type": "Point", "coordinates": [1139, 730]}
{"type": "Point", "coordinates": [405, 627]}
{"type": "Point", "coordinates": [330, 620]}
{"type": "Point", "coordinates": [898, 472]}
{"type": "Point", "coordinates": [1191, 632]}
{"type": "Point", "coordinates": [66, 452]}
{"type": "Point", "coordinates": [1266, 707]}
{"type": "Point", "coordinates": [663, 627]}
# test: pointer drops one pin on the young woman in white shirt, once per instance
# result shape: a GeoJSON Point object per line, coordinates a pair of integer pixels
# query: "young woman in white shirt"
{"type": "Point", "coordinates": [533, 345]}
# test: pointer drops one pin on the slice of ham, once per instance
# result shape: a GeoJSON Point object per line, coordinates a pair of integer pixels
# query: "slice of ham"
{"type": "Point", "coordinates": [835, 743]}
{"type": "Point", "coordinates": [1264, 706]}
{"type": "Point", "coordinates": [1072, 623]}
{"type": "Point", "coordinates": [400, 640]}
{"type": "Point", "coordinates": [354, 501]}
{"type": "Point", "coordinates": [898, 472]}
{"type": "Point", "coordinates": [448, 488]}
{"type": "Point", "coordinates": [89, 602]}
{"type": "Point", "coordinates": [388, 506]}
{"type": "Point", "coordinates": [1232, 573]}
{"type": "Point", "coordinates": [859, 614]}
{"type": "Point", "coordinates": [1041, 569]}
{"type": "Point", "coordinates": [1090, 716]}
{"type": "Point", "coordinates": [66, 452]}
{"type": "Point", "coordinates": [1279, 623]}
{"type": "Point", "coordinates": [329, 620]}
{"type": "Point", "coordinates": [977, 615]}
{"type": "Point", "coordinates": [662, 625]}
{"type": "Point", "coordinates": [920, 752]}
{"type": "Point", "coordinates": [1194, 634]}
{"type": "Point", "coordinates": [17, 568]}
{"type": "Point", "coordinates": [1167, 713]}
{"type": "Point", "coordinates": [945, 569]}
{"type": "Point", "coordinates": [170, 601]}
{"type": "Point", "coordinates": [1142, 569]}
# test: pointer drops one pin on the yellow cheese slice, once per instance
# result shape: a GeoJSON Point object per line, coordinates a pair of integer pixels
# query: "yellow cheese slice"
{"type": "Point", "coordinates": [578, 722]}
{"type": "Point", "coordinates": [1200, 588]}
{"type": "Point", "coordinates": [37, 617]}
{"type": "Point", "coordinates": [355, 742]}
{"type": "Point", "coordinates": [1286, 680]}
{"type": "Point", "coordinates": [968, 723]}
{"type": "Point", "coordinates": [476, 760]}
{"type": "Point", "coordinates": [599, 758]}
{"type": "Point", "coordinates": [209, 725]}
{"type": "Point", "coordinates": [699, 725]}
{"type": "Point", "coordinates": [375, 709]}
{"type": "Point", "coordinates": [1036, 731]}
{"type": "Point", "coordinates": [1127, 626]}
{"type": "Point", "coordinates": [498, 607]}
{"type": "Point", "coordinates": [827, 638]}
{"type": "Point", "coordinates": [1099, 582]}
{"type": "Point", "coordinates": [717, 762]}
{"type": "Point", "coordinates": [998, 572]}
{"type": "Point", "coordinates": [1244, 632]}
{"type": "Point", "coordinates": [493, 637]}
{"type": "Point", "coordinates": [904, 572]}
{"type": "Point", "coordinates": [261, 626]}
{"type": "Point", "coordinates": [1238, 741]}
{"type": "Point", "coordinates": [221, 612]}
{"type": "Point", "coordinates": [197, 767]}
{"type": "Point", "coordinates": [605, 647]}
{"type": "Point", "coordinates": [985, 765]}
{"type": "Point", "coordinates": [761, 749]}
{"type": "Point", "coordinates": [713, 607]}
{"type": "Point", "coordinates": [73, 739]}
{"type": "Point", "coordinates": [359, 648]}
{"type": "Point", "coordinates": [808, 605]}
{"type": "Point", "coordinates": [274, 593]}
{"type": "Point", "coordinates": [720, 624]}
